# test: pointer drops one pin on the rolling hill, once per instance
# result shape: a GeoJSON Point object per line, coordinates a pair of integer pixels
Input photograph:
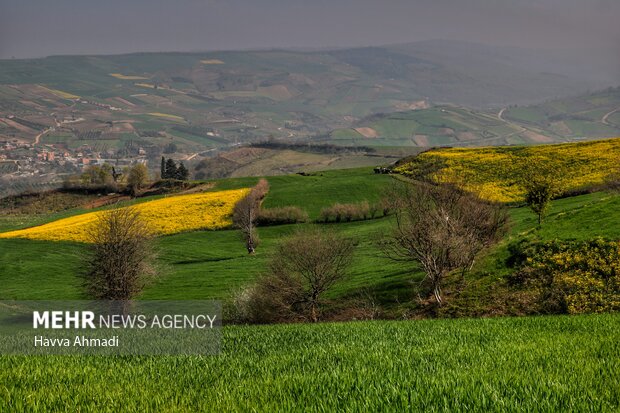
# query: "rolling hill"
{"type": "Point", "coordinates": [204, 100]}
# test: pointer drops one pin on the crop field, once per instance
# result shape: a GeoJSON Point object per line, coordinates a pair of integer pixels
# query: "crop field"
{"type": "Point", "coordinates": [127, 77]}
{"type": "Point", "coordinates": [508, 364]}
{"type": "Point", "coordinates": [167, 116]}
{"type": "Point", "coordinates": [440, 125]}
{"type": "Point", "coordinates": [60, 93]}
{"type": "Point", "coordinates": [199, 211]}
{"type": "Point", "coordinates": [496, 173]}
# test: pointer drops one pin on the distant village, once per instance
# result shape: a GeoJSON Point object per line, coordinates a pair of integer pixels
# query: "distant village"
{"type": "Point", "coordinates": [27, 159]}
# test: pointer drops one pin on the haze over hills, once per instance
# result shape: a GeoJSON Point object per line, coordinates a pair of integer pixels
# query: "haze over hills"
{"type": "Point", "coordinates": [191, 105]}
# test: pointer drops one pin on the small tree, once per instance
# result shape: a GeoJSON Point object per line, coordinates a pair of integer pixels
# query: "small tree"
{"type": "Point", "coordinates": [171, 169]}
{"type": "Point", "coordinates": [316, 260]}
{"type": "Point", "coordinates": [304, 267]}
{"type": "Point", "coordinates": [162, 168]}
{"type": "Point", "coordinates": [119, 261]}
{"type": "Point", "coordinates": [539, 191]}
{"type": "Point", "coordinates": [137, 177]}
{"type": "Point", "coordinates": [246, 212]}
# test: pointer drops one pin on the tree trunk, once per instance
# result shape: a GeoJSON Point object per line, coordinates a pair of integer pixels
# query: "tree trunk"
{"type": "Point", "coordinates": [313, 313]}
{"type": "Point", "coordinates": [437, 294]}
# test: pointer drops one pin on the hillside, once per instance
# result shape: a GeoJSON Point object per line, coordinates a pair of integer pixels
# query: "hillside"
{"type": "Point", "coordinates": [498, 173]}
{"type": "Point", "coordinates": [585, 117]}
{"type": "Point", "coordinates": [205, 100]}
{"type": "Point", "coordinates": [444, 125]}
{"type": "Point", "coordinates": [214, 264]}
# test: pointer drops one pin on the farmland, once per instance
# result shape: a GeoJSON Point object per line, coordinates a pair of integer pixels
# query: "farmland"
{"type": "Point", "coordinates": [533, 364]}
{"type": "Point", "coordinates": [497, 173]}
{"type": "Point", "coordinates": [245, 96]}
{"type": "Point", "coordinates": [590, 115]}
{"type": "Point", "coordinates": [210, 210]}
{"type": "Point", "coordinates": [536, 363]}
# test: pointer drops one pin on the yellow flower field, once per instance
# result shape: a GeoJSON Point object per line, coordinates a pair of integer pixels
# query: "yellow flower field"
{"type": "Point", "coordinates": [209, 210]}
{"type": "Point", "coordinates": [60, 93]}
{"type": "Point", "coordinates": [497, 173]}
{"type": "Point", "coordinates": [165, 115]}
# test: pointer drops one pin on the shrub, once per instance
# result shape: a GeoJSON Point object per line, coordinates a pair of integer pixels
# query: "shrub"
{"type": "Point", "coordinates": [305, 267]}
{"type": "Point", "coordinates": [349, 212]}
{"type": "Point", "coordinates": [281, 216]}
{"type": "Point", "coordinates": [570, 276]}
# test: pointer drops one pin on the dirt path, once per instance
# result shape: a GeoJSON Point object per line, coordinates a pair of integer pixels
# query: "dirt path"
{"type": "Point", "coordinates": [607, 115]}
{"type": "Point", "coordinates": [501, 114]}
{"type": "Point", "coordinates": [37, 138]}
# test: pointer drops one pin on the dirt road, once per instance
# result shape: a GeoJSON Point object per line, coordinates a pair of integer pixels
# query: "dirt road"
{"type": "Point", "coordinates": [607, 115]}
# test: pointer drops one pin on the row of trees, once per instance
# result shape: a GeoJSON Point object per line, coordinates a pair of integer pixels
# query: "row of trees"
{"type": "Point", "coordinates": [170, 170]}
{"type": "Point", "coordinates": [109, 178]}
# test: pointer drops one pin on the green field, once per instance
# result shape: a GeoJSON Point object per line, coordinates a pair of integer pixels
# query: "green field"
{"type": "Point", "coordinates": [552, 363]}
{"type": "Point", "coordinates": [444, 125]}
{"type": "Point", "coordinates": [214, 264]}
{"type": "Point", "coordinates": [539, 364]}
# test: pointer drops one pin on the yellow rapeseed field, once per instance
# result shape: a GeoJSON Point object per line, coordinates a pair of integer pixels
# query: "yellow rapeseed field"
{"type": "Point", "coordinates": [209, 210]}
{"type": "Point", "coordinates": [497, 173]}
{"type": "Point", "coordinates": [60, 93]}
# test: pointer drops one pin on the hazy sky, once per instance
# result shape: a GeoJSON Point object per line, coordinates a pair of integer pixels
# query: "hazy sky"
{"type": "Point", "coordinates": [31, 28]}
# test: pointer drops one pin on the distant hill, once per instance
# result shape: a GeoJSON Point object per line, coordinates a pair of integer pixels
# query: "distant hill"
{"type": "Point", "coordinates": [589, 116]}
{"type": "Point", "coordinates": [235, 96]}
{"type": "Point", "coordinates": [586, 116]}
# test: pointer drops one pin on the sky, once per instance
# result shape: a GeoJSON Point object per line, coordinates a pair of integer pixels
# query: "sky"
{"type": "Point", "coordinates": [36, 28]}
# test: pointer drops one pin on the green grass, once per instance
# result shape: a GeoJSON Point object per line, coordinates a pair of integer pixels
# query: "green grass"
{"type": "Point", "coordinates": [504, 364]}
{"type": "Point", "coordinates": [214, 264]}
{"type": "Point", "coordinates": [538, 364]}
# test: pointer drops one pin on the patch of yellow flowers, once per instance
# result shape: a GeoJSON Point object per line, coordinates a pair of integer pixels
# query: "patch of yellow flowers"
{"type": "Point", "coordinates": [497, 173]}
{"type": "Point", "coordinates": [209, 210]}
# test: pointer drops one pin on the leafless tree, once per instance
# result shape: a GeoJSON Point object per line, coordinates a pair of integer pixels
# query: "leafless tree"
{"type": "Point", "coordinates": [316, 260]}
{"type": "Point", "coordinates": [119, 262]}
{"type": "Point", "coordinates": [442, 228]}
{"type": "Point", "coordinates": [246, 212]}
{"type": "Point", "coordinates": [303, 268]}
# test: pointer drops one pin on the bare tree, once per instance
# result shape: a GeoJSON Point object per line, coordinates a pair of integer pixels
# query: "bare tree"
{"type": "Point", "coordinates": [304, 267]}
{"type": "Point", "coordinates": [442, 228]}
{"type": "Point", "coordinates": [315, 260]}
{"type": "Point", "coordinates": [119, 261]}
{"type": "Point", "coordinates": [246, 212]}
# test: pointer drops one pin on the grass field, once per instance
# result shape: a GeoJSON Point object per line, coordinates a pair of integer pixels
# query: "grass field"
{"type": "Point", "coordinates": [538, 364]}
{"type": "Point", "coordinates": [555, 363]}
{"type": "Point", "coordinates": [214, 264]}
